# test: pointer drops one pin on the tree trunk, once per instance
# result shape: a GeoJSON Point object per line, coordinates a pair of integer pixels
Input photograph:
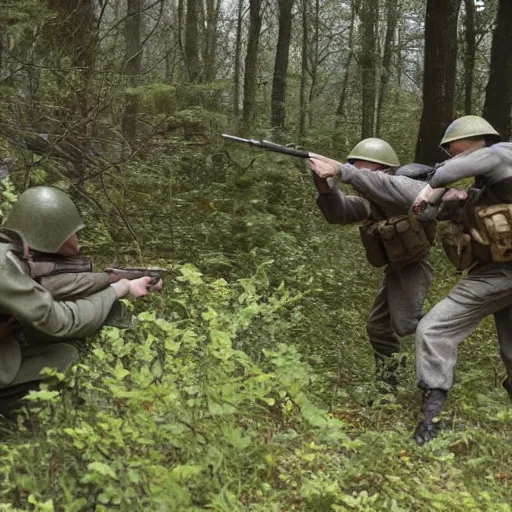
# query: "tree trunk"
{"type": "Point", "coordinates": [469, 55]}
{"type": "Point", "coordinates": [340, 111]}
{"type": "Point", "coordinates": [314, 60]}
{"type": "Point", "coordinates": [278, 114]}
{"type": "Point", "coordinates": [191, 41]}
{"type": "Point", "coordinates": [78, 29]}
{"type": "Point", "coordinates": [251, 62]}
{"type": "Point", "coordinates": [369, 20]}
{"type": "Point", "coordinates": [3, 46]}
{"type": "Point", "coordinates": [238, 58]}
{"type": "Point", "coordinates": [439, 77]}
{"type": "Point", "coordinates": [399, 59]}
{"type": "Point", "coordinates": [212, 18]}
{"type": "Point", "coordinates": [391, 22]}
{"type": "Point", "coordinates": [132, 66]}
{"type": "Point", "coordinates": [78, 34]}
{"type": "Point", "coordinates": [498, 94]}
{"type": "Point", "coordinates": [303, 72]}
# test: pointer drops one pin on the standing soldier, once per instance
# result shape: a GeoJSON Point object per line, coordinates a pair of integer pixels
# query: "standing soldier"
{"type": "Point", "coordinates": [481, 242]}
{"type": "Point", "coordinates": [37, 330]}
{"type": "Point", "coordinates": [392, 239]}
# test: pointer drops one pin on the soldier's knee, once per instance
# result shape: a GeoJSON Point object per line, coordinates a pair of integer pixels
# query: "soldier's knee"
{"type": "Point", "coordinates": [423, 328]}
{"type": "Point", "coordinates": [64, 356]}
{"type": "Point", "coordinates": [405, 326]}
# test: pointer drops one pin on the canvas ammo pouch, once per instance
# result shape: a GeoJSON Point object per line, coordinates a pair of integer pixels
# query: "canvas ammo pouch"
{"type": "Point", "coordinates": [405, 238]}
{"type": "Point", "coordinates": [457, 245]}
{"type": "Point", "coordinates": [493, 230]}
{"type": "Point", "coordinates": [372, 243]}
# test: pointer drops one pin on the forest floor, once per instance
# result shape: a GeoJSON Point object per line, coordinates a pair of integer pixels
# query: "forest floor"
{"type": "Point", "coordinates": [250, 392]}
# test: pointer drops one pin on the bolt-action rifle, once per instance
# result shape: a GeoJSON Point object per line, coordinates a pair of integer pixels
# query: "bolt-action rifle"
{"type": "Point", "coordinates": [50, 265]}
{"type": "Point", "coordinates": [269, 146]}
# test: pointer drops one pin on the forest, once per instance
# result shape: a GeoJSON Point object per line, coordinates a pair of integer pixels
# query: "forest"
{"type": "Point", "coordinates": [245, 385]}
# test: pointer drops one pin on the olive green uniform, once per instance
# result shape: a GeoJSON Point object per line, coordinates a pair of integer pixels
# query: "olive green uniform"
{"type": "Point", "coordinates": [35, 326]}
{"type": "Point", "coordinates": [397, 308]}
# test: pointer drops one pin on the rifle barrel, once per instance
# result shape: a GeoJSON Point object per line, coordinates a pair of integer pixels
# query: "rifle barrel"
{"type": "Point", "coordinates": [232, 137]}
{"type": "Point", "coordinates": [269, 146]}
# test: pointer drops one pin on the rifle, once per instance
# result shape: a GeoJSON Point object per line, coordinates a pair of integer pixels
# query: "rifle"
{"type": "Point", "coordinates": [44, 265]}
{"type": "Point", "coordinates": [269, 146]}
{"type": "Point", "coordinates": [156, 273]}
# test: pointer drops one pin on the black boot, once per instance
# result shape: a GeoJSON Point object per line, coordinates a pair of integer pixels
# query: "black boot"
{"type": "Point", "coordinates": [433, 401]}
{"type": "Point", "coordinates": [507, 384]}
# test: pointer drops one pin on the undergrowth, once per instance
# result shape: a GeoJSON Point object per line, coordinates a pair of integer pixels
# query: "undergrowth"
{"type": "Point", "coordinates": [245, 385]}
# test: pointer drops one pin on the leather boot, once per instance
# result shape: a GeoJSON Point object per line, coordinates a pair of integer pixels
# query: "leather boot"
{"type": "Point", "coordinates": [433, 402]}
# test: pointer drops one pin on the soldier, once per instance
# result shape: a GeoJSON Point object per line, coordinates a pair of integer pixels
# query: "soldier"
{"type": "Point", "coordinates": [390, 238]}
{"type": "Point", "coordinates": [480, 242]}
{"type": "Point", "coordinates": [36, 329]}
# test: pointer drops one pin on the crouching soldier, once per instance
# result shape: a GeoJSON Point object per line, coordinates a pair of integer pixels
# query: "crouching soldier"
{"type": "Point", "coordinates": [393, 239]}
{"type": "Point", "coordinates": [480, 242]}
{"type": "Point", "coordinates": [37, 328]}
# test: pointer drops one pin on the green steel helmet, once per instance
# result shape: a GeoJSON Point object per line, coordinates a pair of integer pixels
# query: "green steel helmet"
{"type": "Point", "coordinates": [374, 150]}
{"type": "Point", "coordinates": [469, 126]}
{"type": "Point", "coordinates": [46, 217]}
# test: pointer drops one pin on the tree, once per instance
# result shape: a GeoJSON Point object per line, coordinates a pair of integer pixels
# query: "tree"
{"type": "Point", "coordinates": [391, 22]}
{"type": "Point", "coordinates": [77, 33]}
{"type": "Point", "coordinates": [192, 41]}
{"type": "Point", "coordinates": [439, 77]}
{"type": "Point", "coordinates": [132, 65]}
{"type": "Point", "coordinates": [238, 58]}
{"type": "Point", "coordinates": [368, 61]}
{"type": "Point", "coordinates": [278, 114]}
{"type": "Point", "coordinates": [498, 94]}
{"type": "Point", "coordinates": [469, 54]}
{"type": "Point", "coordinates": [340, 111]}
{"type": "Point", "coordinates": [210, 47]}
{"type": "Point", "coordinates": [304, 71]}
{"type": "Point", "coordinates": [251, 62]}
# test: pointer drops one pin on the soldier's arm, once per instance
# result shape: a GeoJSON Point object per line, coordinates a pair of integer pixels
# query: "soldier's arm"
{"type": "Point", "coordinates": [381, 187]}
{"type": "Point", "coordinates": [337, 207]}
{"type": "Point", "coordinates": [33, 305]}
{"type": "Point", "coordinates": [485, 162]}
{"type": "Point", "coordinates": [75, 285]}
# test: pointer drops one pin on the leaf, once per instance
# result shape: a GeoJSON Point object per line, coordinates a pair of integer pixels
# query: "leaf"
{"type": "Point", "coordinates": [102, 469]}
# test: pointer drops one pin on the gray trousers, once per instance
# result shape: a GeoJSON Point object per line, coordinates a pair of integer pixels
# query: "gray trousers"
{"type": "Point", "coordinates": [486, 290]}
{"type": "Point", "coordinates": [397, 308]}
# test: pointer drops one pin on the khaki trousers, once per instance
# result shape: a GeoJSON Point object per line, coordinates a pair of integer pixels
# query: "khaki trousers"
{"type": "Point", "coordinates": [486, 290]}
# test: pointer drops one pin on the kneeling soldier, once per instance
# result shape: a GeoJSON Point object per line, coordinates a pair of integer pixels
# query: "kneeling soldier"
{"type": "Point", "coordinates": [38, 330]}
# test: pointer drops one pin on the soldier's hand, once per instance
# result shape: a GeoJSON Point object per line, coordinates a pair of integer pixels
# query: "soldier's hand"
{"type": "Point", "coordinates": [422, 199]}
{"type": "Point", "coordinates": [140, 287]}
{"type": "Point", "coordinates": [428, 196]}
{"type": "Point", "coordinates": [121, 287]}
{"type": "Point", "coordinates": [157, 287]}
{"type": "Point", "coordinates": [324, 167]}
{"type": "Point", "coordinates": [455, 194]}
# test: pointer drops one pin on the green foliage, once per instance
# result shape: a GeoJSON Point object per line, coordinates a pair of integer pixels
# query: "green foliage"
{"type": "Point", "coordinates": [195, 121]}
{"type": "Point", "coordinates": [155, 98]}
{"type": "Point", "coordinates": [246, 386]}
